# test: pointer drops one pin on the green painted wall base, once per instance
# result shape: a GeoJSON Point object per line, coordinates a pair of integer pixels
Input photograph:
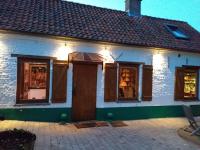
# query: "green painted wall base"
{"type": "Point", "coordinates": [133, 113]}
{"type": "Point", "coordinates": [37, 114]}
{"type": "Point", "coordinates": [108, 114]}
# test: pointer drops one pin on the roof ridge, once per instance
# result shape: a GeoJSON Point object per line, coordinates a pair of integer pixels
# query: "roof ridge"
{"type": "Point", "coordinates": [82, 21]}
{"type": "Point", "coordinates": [167, 19]}
{"type": "Point", "coordinates": [120, 11]}
{"type": "Point", "coordinates": [99, 7]}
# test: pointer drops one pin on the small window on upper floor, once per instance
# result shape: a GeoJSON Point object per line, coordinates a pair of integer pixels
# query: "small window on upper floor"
{"type": "Point", "coordinates": [179, 34]}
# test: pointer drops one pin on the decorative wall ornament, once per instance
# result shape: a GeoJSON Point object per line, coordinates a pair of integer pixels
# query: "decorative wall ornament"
{"type": "Point", "coordinates": [116, 58]}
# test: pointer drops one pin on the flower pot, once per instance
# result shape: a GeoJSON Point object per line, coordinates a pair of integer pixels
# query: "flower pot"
{"type": "Point", "coordinates": [17, 140]}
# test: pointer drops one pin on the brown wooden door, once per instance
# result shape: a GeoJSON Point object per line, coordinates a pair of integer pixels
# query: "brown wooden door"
{"type": "Point", "coordinates": [84, 92]}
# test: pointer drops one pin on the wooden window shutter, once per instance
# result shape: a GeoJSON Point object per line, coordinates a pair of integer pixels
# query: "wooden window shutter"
{"type": "Point", "coordinates": [59, 89]}
{"type": "Point", "coordinates": [147, 83]}
{"type": "Point", "coordinates": [110, 82]}
{"type": "Point", "coordinates": [20, 78]}
{"type": "Point", "coordinates": [135, 82]}
{"type": "Point", "coordinates": [179, 84]}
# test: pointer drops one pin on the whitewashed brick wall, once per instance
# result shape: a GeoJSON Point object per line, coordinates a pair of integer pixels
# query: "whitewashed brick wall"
{"type": "Point", "coordinates": [7, 76]}
{"type": "Point", "coordinates": [163, 61]}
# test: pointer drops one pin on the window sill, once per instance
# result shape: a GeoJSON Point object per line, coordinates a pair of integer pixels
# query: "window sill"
{"type": "Point", "coordinates": [32, 104]}
{"type": "Point", "coordinates": [128, 101]}
{"type": "Point", "coordinates": [188, 100]}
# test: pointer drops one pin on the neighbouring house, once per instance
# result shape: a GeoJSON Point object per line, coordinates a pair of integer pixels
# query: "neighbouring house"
{"type": "Point", "coordinates": [61, 60]}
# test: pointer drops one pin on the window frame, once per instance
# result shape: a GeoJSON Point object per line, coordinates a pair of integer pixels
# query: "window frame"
{"type": "Point", "coordinates": [185, 69]}
{"type": "Point", "coordinates": [130, 65]}
{"type": "Point", "coordinates": [20, 77]}
{"type": "Point", "coordinates": [192, 70]}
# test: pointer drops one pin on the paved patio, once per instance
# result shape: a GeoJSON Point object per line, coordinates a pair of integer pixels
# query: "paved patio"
{"type": "Point", "coordinates": [152, 134]}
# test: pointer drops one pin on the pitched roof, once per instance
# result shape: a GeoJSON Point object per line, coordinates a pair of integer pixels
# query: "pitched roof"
{"type": "Point", "coordinates": [62, 18]}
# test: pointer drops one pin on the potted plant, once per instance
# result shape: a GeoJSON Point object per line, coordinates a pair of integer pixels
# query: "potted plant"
{"type": "Point", "coordinates": [17, 139]}
{"type": "Point", "coordinates": [1, 118]}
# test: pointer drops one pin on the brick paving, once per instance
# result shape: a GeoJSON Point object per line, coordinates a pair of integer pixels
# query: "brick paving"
{"type": "Point", "coordinates": [151, 134]}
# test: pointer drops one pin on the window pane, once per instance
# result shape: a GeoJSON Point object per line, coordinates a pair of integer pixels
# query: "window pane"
{"type": "Point", "coordinates": [34, 81]}
{"type": "Point", "coordinates": [127, 82]}
{"type": "Point", "coordinates": [190, 85]}
{"type": "Point", "coordinates": [177, 32]}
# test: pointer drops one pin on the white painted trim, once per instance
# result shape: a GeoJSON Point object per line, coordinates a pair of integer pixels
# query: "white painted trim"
{"type": "Point", "coordinates": [51, 80]}
{"type": "Point", "coordinates": [69, 85]}
{"type": "Point", "coordinates": [140, 82]}
{"type": "Point", "coordinates": [100, 87]}
{"type": "Point", "coordinates": [117, 87]}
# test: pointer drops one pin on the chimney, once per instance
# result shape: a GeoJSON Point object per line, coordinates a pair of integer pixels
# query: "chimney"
{"type": "Point", "coordinates": [133, 7]}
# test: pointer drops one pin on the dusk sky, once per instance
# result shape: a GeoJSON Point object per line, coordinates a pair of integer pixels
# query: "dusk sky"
{"type": "Point", "coordinates": [185, 10]}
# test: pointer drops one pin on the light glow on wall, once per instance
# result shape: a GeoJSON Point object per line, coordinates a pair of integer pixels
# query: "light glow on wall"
{"type": "Point", "coordinates": [63, 51]}
{"type": "Point", "coordinates": [3, 51]}
{"type": "Point", "coordinates": [106, 54]}
{"type": "Point", "coordinates": [3, 47]}
{"type": "Point", "coordinates": [158, 60]}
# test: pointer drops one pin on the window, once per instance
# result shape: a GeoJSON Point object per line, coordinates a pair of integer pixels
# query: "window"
{"type": "Point", "coordinates": [177, 32]}
{"type": "Point", "coordinates": [121, 82]}
{"type": "Point", "coordinates": [33, 80]}
{"type": "Point", "coordinates": [186, 86]}
{"type": "Point", "coordinates": [128, 82]}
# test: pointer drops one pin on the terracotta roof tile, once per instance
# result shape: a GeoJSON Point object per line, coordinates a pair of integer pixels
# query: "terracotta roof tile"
{"type": "Point", "coordinates": [62, 18]}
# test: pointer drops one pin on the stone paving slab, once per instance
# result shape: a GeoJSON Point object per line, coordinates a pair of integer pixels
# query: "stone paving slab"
{"type": "Point", "coordinates": [150, 134]}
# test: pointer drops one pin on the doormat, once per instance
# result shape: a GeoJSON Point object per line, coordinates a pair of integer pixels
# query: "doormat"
{"type": "Point", "coordinates": [85, 125]}
{"type": "Point", "coordinates": [90, 124]}
{"type": "Point", "coordinates": [102, 124]}
{"type": "Point", "coordinates": [118, 124]}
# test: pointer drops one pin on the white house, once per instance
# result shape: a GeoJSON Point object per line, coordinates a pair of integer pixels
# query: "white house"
{"type": "Point", "coordinates": [61, 60]}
